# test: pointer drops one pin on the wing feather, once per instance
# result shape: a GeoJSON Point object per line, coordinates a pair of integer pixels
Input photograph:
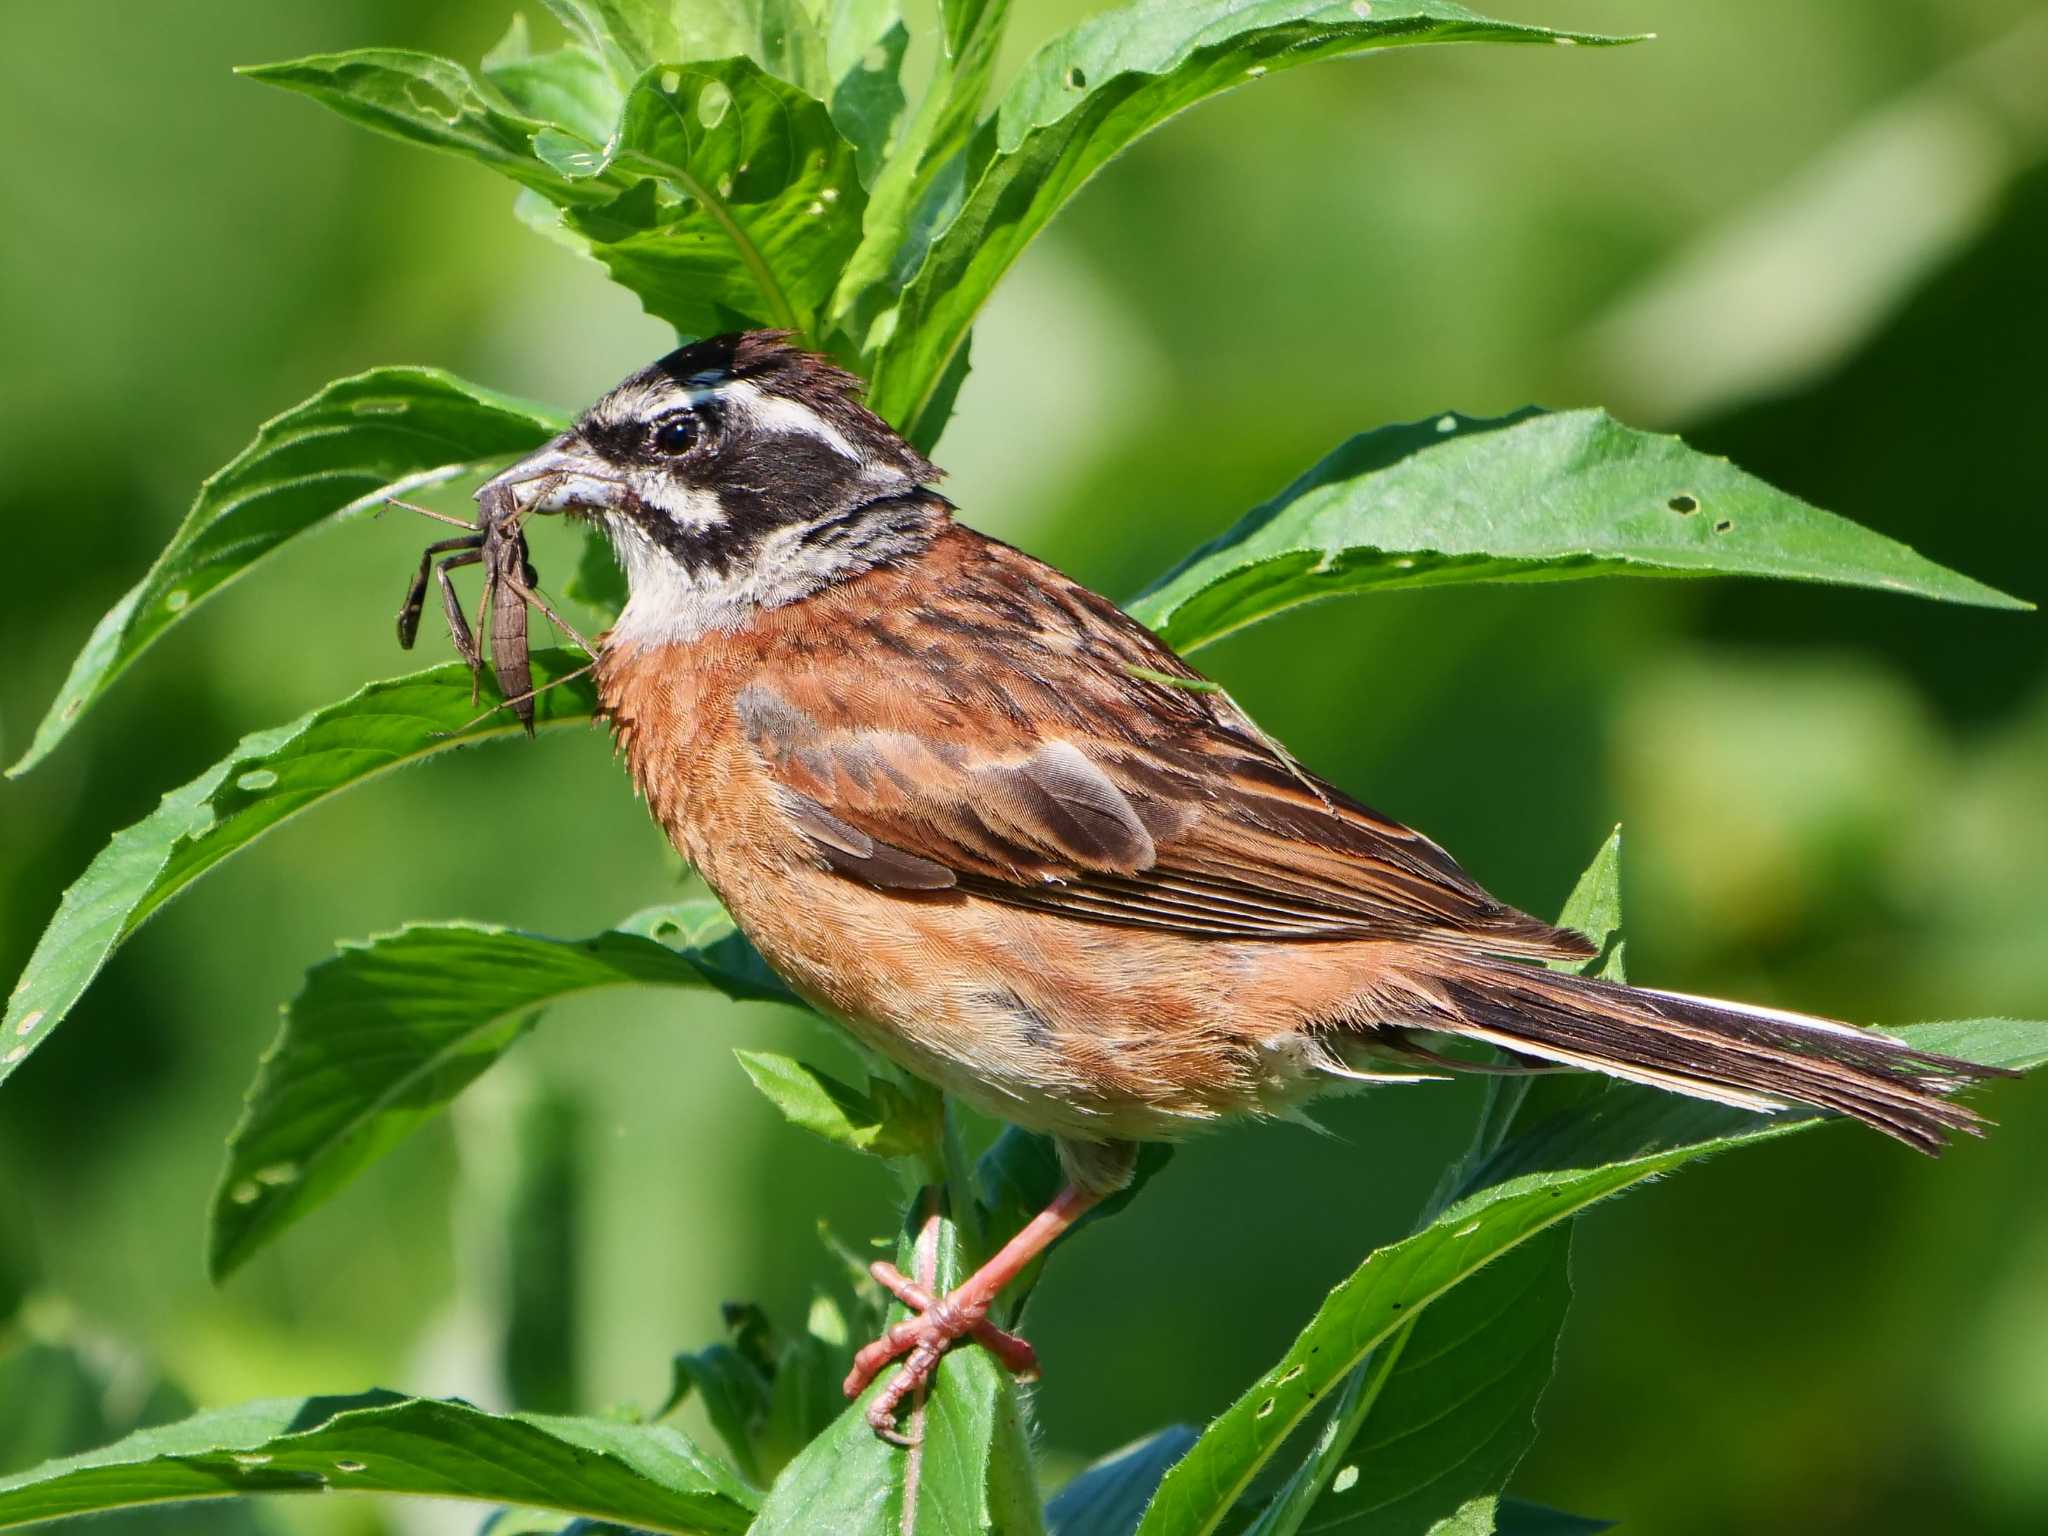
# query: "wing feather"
{"type": "Point", "coordinates": [1025, 742]}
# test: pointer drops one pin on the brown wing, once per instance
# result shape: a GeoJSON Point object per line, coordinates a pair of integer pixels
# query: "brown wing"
{"type": "Point", "coordinates": [1010, 733]}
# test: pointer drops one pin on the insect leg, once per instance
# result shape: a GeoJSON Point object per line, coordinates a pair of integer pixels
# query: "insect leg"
{"type": "Point", "coordinates": [458, 623]}
{"type": "Point", "coordinates": [416, 594]}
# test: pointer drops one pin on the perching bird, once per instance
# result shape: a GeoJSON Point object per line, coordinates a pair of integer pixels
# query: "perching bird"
{"type": "Point", "coordinates": [963, 804]}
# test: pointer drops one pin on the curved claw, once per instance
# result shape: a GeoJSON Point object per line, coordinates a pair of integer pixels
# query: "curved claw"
{"type": "Point", "coordinates": [921, 1341]}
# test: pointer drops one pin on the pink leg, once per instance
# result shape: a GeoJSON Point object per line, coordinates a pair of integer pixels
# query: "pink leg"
{"type": "Point", "coordinates": [943, 1322]}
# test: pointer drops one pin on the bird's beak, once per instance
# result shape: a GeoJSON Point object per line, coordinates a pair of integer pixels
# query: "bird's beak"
{"type": "Point", "coordinates": [564, 476]}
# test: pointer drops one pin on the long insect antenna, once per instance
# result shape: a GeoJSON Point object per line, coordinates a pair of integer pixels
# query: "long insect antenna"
{"type": "Point", "coordinates": [439, 517]}
{"type": "Point", "coordinates": [512, 701]}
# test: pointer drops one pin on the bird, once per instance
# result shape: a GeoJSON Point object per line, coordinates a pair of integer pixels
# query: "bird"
{"type": "Point", "coordinates": [979, 815]}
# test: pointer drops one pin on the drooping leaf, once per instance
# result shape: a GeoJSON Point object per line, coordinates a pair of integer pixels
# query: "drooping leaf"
{"type": "Point", "coordinates": [433, 101]}
{"type": "Point", "coordinates": [1108, 1498]}
{"type": "Point", "coordinates": [1530, 497]}
{"type": "Point", "coordinates": [268, 778]}
{"type": "Point", "coordinates": [645, 1476]}
{"type": "Point", "coordinates": [386, 1033]}
{"type": "Point", "coordinates": [1091, 93]}
{"type": "Point", "coordinates": [753, 205]}
{"type": "Point", "coordinates": [385, 432]}
{"type": "Point", "coordinates": [1536, 1180]}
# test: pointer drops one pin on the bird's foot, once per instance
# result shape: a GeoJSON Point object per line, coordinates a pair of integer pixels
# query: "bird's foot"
{"type": "Point", "coordinates": [920, 1341]}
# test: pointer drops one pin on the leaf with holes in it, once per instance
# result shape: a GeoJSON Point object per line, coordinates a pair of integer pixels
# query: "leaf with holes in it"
{"type": "Point", "coordinates": [1432, 1425]}
{"type": "Point", "coordinates": [428, 100]}
{"type": "Point", "coordinates": [1084, 97]}
{"type": "Point", "coordinates": [387, 1032]}
{"type": "Point", "coordinates": [381, 433]}
{"type": "Point", "coordinates": [648, 1477]}
{"type": "Point", "coordinates": [269, 778]}
{"type": "Point", "coordinates": [1529, 497]}
{"type": "Point", "coordinates": [1537, 1178]}
{"type": "Point", "coordinates": [745, 200]}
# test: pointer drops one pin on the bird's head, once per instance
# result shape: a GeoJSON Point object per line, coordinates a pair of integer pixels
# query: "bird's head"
{"type": "Point", "coordinates": [736, 473]}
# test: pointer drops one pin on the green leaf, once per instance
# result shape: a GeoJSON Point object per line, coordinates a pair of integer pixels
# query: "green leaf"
{"type": "Point", "coordinates": [381, 433]}
{"type": "Point", "coordinates": [570, 87]}
{"type": "Point", "coordinates": [1530, 497]}
{"type": "Point", "coordinates": [864, 50]}
{"type": "Point", "coordinates": [1447, 1408]}
{"type": "Point", "coordinates": [1538, 1179]}
{"type": "Point", "coordinates": [387, 1032]}
{"type": "Point", "coordinates": [917, 188]}
{"type": "Point", "coordinates": [268, 778]}
{"type": "Point", "coordinates": [1090, 94]}
{"type": "Point", "coordinates": [645, 1476]}
{"type": "Point", "coordinates": [633, 35]}
{"type": "Point", "coordinates": [758, 207]}
{"type": "Point", "coordinates": [1427, 1431]}
{"type": "Point", "coordinates": [64, 1389]}
{"type": "Point", "coordinates": [1108, 1498]}
{"type": "Point", "coordinates": [735, 1394]}
{"type": "Point", "coordinates": [432, 101]}
{"type": "Point", "coordinates": [813, 1100]}
{"type": "Point", "coordinates": [790, 46]}
{"type": "Point", "coordinates": [970, 1471]}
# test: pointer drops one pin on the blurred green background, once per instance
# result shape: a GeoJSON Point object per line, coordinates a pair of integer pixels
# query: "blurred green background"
{"type": "Point", "coordinates": [1809, 236]}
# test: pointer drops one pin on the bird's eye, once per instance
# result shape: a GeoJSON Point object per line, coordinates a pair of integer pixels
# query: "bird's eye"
{"type": "Point", "coordinates": [675, 434]}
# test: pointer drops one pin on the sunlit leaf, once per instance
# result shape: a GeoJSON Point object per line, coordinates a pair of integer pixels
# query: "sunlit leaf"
{"type": "Point", "coordinates": [644, 1476]}
{"type": "Point", "coordinates": [753, 207]}
{"type": "Point", "coordinates": [1531, 497]}
{"type": "Point", "coordinates": [1629, 1134]}
{"type": "Point", "coordinates": [1091, 93]}
{"type": "Point", "coordinates": [876, 1120]}
{"type": "Point", "coordinates": [632, 35]}
{"type": "Point", "coordinates": [567, 86]}
{"type": "Point", "coordinates": [432, 101]}
{"type": "Point", "coordinates": [864, 48]}
{"type": "Point", "coordinates": [1426, 1431]}
{"type": "Point", "coordinates": [268, 778]}
{"type": "Point", "coordinates": [969, 1473]}
{"type": "Point", "coordinates": [385, 432]}
{"type": "Point", "coordinates": [387, 1032]}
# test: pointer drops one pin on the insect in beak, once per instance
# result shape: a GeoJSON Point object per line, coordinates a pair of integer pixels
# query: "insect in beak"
{"type": "Point", "coordinates": [562, 476]}
{"type": "Point", "coordinates": [497, 543]}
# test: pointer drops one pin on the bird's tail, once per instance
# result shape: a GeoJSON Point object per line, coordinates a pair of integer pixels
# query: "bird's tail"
{"type": "Point", "coordinates": [1756, 1058]}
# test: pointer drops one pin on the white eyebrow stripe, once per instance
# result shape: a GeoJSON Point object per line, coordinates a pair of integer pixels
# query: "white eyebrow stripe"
{"type": "Point", "coordinates": [778, 413]}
